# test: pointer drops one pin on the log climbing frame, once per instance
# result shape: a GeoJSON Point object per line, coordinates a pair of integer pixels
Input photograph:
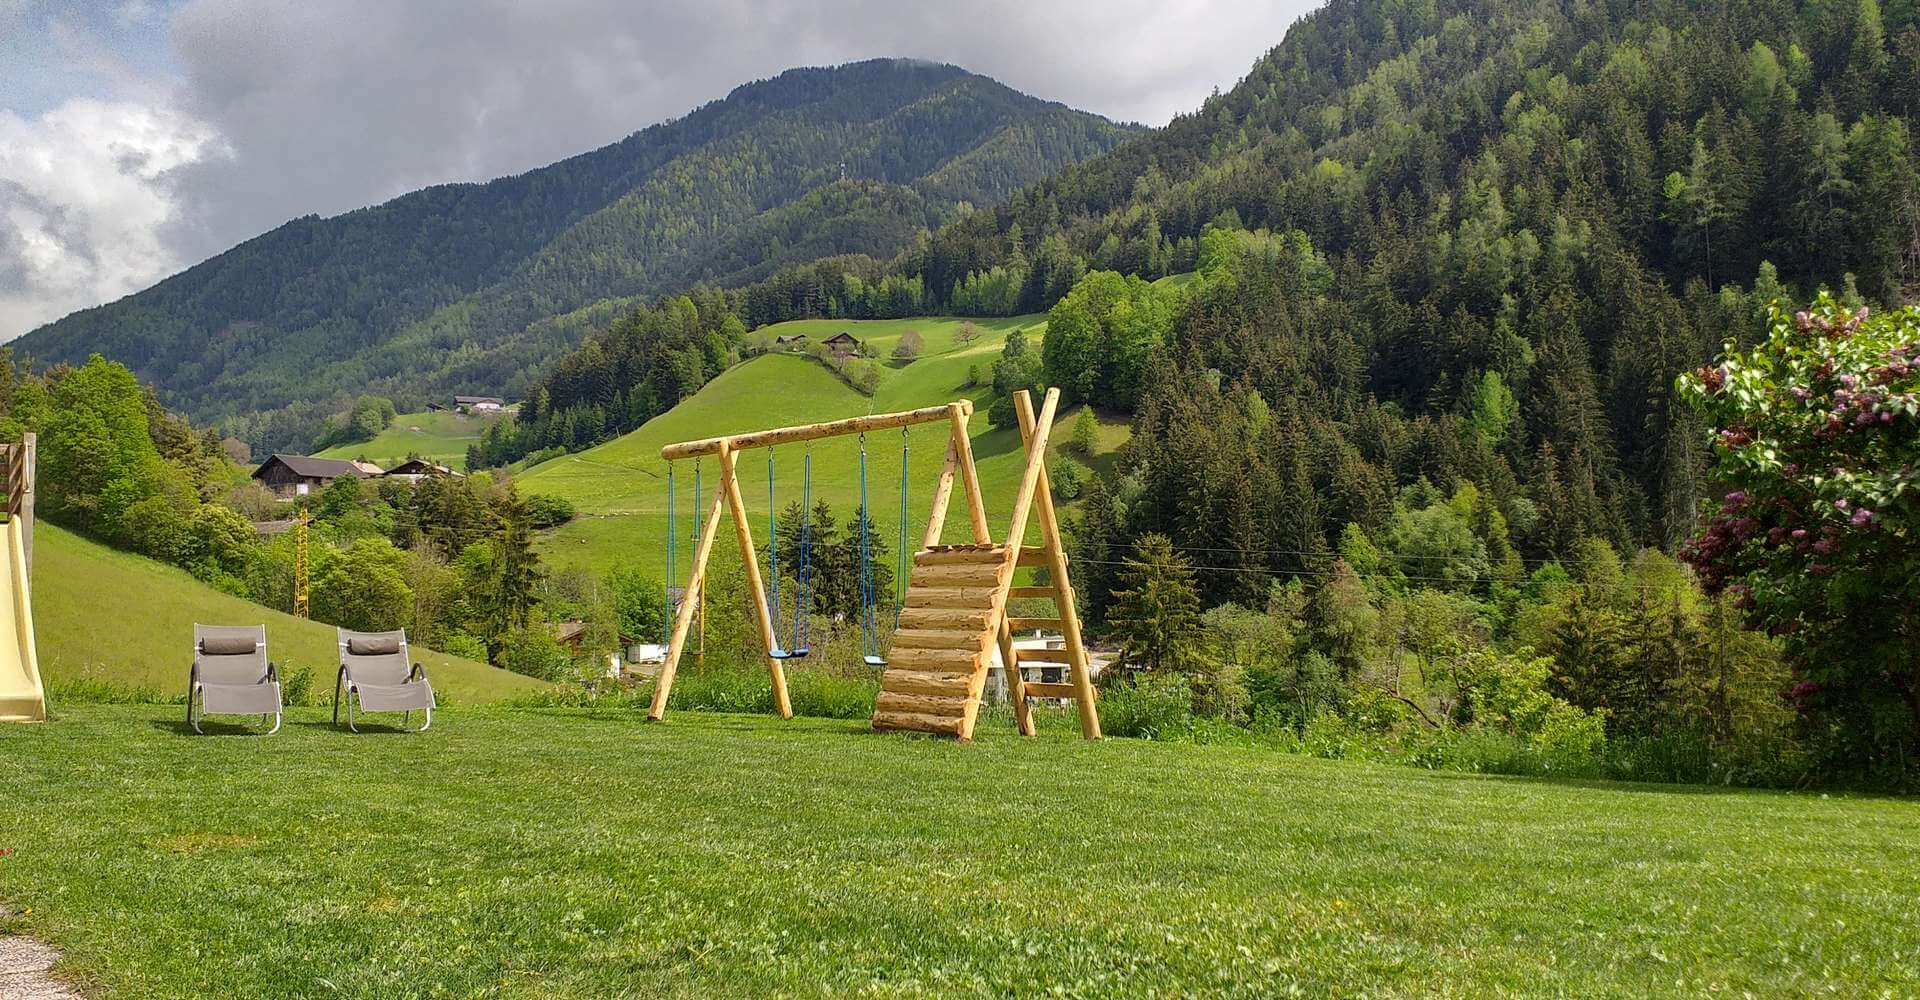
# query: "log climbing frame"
{"type": "Point", "coordinates": [955, 611]}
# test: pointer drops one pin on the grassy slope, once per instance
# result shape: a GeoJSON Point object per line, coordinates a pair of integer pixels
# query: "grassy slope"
{"type": "Point", "coordinates": [620, 486]}
{"type": "Point", "coordinates": [118, 619]}
{"type": "Point", "coordinates": [548, 854]}
{"type": "Point", "coordinates": [442, 437]}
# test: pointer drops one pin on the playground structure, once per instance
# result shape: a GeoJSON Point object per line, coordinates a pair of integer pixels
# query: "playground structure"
{"type": "Point", "coordinates": [22, 696]}
{"type": "Point", "coordinates": [954, 611]}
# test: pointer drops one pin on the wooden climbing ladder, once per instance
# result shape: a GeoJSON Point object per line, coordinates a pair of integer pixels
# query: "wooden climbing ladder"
{"type": "Point", "coordinates": [956, 606]}
{"type": "Point", "coordinates": [955, 612]}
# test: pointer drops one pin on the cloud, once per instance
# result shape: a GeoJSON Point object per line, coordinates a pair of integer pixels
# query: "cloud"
{"type": "Point", "coordinates": [327, 107]}
{"type": "Point", "coordinates": [86, 194]}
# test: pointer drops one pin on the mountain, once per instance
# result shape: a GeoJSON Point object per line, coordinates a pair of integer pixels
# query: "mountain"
{"type": "Point", "coordinates": [436, 290]}
{"type": "Point", "coordinates": [1458, 242]}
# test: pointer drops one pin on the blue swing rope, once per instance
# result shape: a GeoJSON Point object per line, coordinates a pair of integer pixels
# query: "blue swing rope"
{"type": "Point", "coordinates": [773, 562]}
{"type": "Point", "coordinates": [666, 587]}
{"type": "Point", "coordinates": [801, 636]}
{"type": "Point", "coordinates": [869, 634]}
{"type": "Point", "coordinates": [797, 646]}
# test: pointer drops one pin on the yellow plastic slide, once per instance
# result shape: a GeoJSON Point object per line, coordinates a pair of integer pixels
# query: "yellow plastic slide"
{"type": "Point", "coordinates": [22, 699]}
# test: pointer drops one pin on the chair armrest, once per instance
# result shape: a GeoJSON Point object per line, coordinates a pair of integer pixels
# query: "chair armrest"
{"type": "Point", "coordinates": [419, 672]}
{"type": "Point", "coordinates": [273, 672]}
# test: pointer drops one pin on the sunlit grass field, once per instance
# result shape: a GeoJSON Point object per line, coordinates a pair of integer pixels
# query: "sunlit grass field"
{"type": "Point", "coordinates": [620, 486]}
{"type": "Point", "coordinates": [441, 437]}
{"type": "Point", "coordinates": [564, 853]}
{"type": "Point", "coordinates": [116, 624]}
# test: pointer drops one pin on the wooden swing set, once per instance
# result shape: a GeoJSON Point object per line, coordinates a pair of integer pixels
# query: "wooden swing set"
{"type": "Point", "coordinates": [954, 612]}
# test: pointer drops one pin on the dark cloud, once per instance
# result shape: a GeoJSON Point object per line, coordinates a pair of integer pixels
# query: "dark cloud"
{"type": "Point", "coordinates": [325, 107]}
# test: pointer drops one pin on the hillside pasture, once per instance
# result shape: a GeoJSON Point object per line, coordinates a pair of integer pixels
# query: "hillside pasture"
{"type": "Point", "coordinates": [436, 435]}
{"type": "Point", "coordinates": [619, 487]}
{"type": "Point", "coordinates": [113, 624]}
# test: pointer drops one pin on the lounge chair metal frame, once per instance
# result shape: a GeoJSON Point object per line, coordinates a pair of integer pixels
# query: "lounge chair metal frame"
{"type": "Point", "coordinates": [353, 690]}
{"type": "Point", "coordinates": [197, 685]}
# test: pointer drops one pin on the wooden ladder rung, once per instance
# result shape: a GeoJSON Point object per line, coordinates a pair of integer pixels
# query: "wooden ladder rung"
{"type": "Point", "coordinates": [1035, 555]}
{"type": "Point", "coordinates": [959, 555]}
{"type": "Point", "coordinates": [927, 682]}
{"type": "Point", "coordinates": [945, 619]}
{"type": "Point", "coordinates": [1046, 593]}
{"type": "Point", "coordinates": [934, 638]}
{"type": "Point", "coordinates": [921, 704]}
{"type": "Point", "coordinates": [956, 575]}
{"type": "Point", "coordinates": [918, 722]}
{"type": "Point", "coordinates": [1023, 624]}
{"type": "Point", "coordinates": [951, 597]}
{"type": "Point", "coordinates": [1050, 657]}
{"type": "Point", "coordinates": [924, 658]}
{"type": "Point", "coordinates": [1048, 689]}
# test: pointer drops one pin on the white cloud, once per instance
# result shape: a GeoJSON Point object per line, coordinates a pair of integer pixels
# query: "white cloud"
{"type": "Point", "coordinates": [87, 191]}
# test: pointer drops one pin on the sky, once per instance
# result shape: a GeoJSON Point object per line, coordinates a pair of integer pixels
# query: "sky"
{"type": "Point", "coordinates": [138, 137]}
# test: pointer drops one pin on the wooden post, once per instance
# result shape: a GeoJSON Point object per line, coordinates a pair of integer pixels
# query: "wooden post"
{"type": "Point", "coordinates": [684, 620]}
{"type": "Point", "coordinates": [29, 456]}
{"type": "Point", "coordinates": [730, 482]}
{"type": "Point", "coordinates": [1036, 469]}
{"type": "Point", "coordinates": [942, 496]}
{"type": "Point", "coordinates": [812, 432]}
{"type": "Point", "coordinates": [969, 476]}
{"type": "Point", "coordinates": [1057, 569]}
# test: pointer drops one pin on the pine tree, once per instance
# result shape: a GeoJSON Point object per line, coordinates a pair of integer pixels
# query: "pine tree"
{"type": "Point", "coordinates": [1156, 616]}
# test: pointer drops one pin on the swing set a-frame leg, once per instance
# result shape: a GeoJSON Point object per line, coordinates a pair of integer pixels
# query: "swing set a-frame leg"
{"type": "Point", "coordinates": [689, 601]}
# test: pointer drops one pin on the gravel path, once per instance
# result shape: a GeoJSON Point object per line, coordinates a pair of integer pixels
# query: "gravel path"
{"type": "Point", "coordinates": [24, 971]}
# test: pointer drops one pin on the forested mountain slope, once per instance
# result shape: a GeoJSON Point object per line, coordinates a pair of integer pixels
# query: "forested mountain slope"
{"type": "Point", "coordinates": [435, 290]}
{"type": "Point", "coordinates": [1495, 232]}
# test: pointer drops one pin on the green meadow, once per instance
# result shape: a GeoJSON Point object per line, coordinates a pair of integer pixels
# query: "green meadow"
{"type": "Point", "coordinates": [620, 490]}
{"type": "Point", "coordinates": [437, 435]}
{"type": "Point", "coordinates": [582, 853]}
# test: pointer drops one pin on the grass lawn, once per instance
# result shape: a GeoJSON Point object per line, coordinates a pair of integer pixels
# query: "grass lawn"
{"type": "Point", "coordinates": [620, 487]}
{"type": "Point", "coordinates": [560, 853]}
{"type": "Point", "coordinates": [109, 618]}
{"type": "Point", "coordinates": [439, 436]}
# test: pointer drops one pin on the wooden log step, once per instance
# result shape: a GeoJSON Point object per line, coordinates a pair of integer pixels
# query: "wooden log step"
{"type": "Point", "coordinates": [959, 555]}
{"type": "Point", "coordinates": [1050, 657]}
{"type": "Point", "coordinates": [1045, 593]}
{"type": "Point", "coordinates": [1023, 624]}
{"type": "Point", "coordinates": [938, 683]}
{"type": "Point", "coordinates": [957, 659]}
{"type": "Point", "coordinates": [920, 704]}
{"type": "Point", "coordinates": [950, 597]}
{"type": "Point", "coordinates": [1048, 689]}
{"type": "Point", "coordinates": [918, 723]}
{"type": "Point", "coordinates": [957, 575]}
{"type": "Point", "coordinates": [945, 619]}
{"type": "Point", "coordinates": [935, 638]}
{"type": "Point", "coordinates": [1035, 555]}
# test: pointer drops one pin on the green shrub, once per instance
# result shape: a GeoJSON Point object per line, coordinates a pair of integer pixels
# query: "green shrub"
{"type": "Point", "coordinates": [548, 511]}
{"type": "Point", "coordinates": [1147, 705]}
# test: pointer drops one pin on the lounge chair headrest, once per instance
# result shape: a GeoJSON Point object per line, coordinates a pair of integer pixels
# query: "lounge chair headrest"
{"type": "Point", "coordinates": [373, 645]}
{"type": "Point", "coordinates": [226, 645]}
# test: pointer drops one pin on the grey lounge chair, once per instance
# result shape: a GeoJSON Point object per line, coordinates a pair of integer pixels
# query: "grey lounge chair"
{"type": "Point", "coordinates": [376, 672]}
{"type": "Point", "coordinates": [232, 676]}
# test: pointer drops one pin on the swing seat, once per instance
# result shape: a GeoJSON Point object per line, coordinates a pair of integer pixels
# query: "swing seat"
{"type": "Point", "coordinates": [789, 654]}
{"type": "Point", "coordinates": [872, 660]}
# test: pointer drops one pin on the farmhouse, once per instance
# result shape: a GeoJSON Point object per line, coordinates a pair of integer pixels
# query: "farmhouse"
{"type": "Point", "coordinates": [420, 468]}
{"type": "Point", "coordinates": [845, 345]}
{"type": "Point", "coordinates": [794, 340]}
{"type": "Point", "coordinates": [299, 475]}
{"type": "Point", "coordinates": [479, 404]}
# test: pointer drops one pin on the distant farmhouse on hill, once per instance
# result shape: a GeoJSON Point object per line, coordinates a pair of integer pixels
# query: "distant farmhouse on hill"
{"type": "Point", "coordinates": [845, 345]}
{"type": "Point", "coordinates": [479, 404]}
{"type": "Point", "coordinates": [298, 475]}
{"type": "Point", "coordinates": [420, 468]}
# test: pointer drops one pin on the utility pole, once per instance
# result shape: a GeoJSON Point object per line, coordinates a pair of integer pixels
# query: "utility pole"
{"type": "Point", "coordinates": [300, 567]}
